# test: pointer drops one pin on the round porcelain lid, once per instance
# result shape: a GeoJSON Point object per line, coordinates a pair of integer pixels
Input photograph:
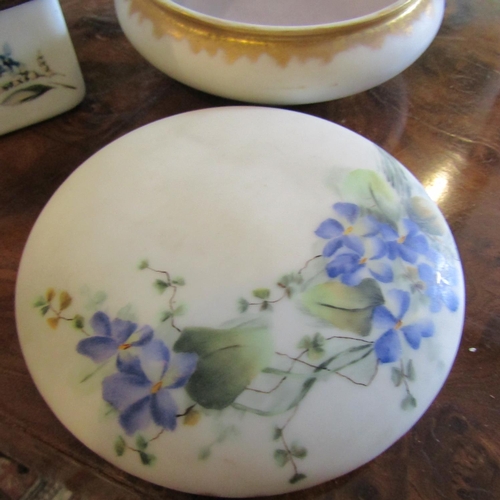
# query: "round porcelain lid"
{"type": "Point", "coordinates": [240, 301]}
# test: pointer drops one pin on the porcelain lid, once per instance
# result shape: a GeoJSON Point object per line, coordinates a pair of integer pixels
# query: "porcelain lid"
{"type": "Point", "coordinates": [240, 301]}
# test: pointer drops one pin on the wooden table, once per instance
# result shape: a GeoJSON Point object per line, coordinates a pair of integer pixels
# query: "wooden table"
{"type": "Point", "coordinates": [441, 118]}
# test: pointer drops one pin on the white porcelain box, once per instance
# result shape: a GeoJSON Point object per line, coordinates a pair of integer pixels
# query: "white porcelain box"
{"type": "Point", "coordinates": [39, 73]}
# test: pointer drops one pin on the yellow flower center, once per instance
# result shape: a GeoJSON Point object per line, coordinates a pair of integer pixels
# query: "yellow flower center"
{"type": "Point", "coordinates": [349, 230]}
{"type": "Point", "coordinates": [399, 324]}
{"type": "Point", "coordinates": [402, 240]}
{"type": "Point", "coordinates": [364, 260]}
{"type": "Point", "coordinates": [156, 387]}
{"type": "Point", "coordinates": [124, 347]}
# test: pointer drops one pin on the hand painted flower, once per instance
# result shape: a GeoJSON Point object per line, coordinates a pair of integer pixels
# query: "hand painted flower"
{"type": "Point", "coordinates": [354, 266]}
{"type": "Point", "coordinates": [110, 337]}
{"type": "Point", "coordinates": [439, 283]}
{"type": "Point", "coordinates": [408, 244]}
{"type": "Point", "coordinates": [388, 346]}
{"type": "Point", "coordinates": [141, 390]}
{"type": "Point", "coordinates": [341, 234]}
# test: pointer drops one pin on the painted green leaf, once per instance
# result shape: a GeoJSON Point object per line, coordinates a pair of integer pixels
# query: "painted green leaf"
{"type": "Point", "coordinates": [243, 305]}
{"type": "Point", "coordinates": [120, 446]}
{"type": "Point", "coordinates": [44, 310]}
{"type": "Point", "coordinates": [281, 457]}
{"type": "Point", "coordinates": [179, 281]}
{"type": "Point", "coordinates": [298, 451]}
{"type": "Point", "coordinates": [422, 212]}
{"type": "Point", "coordinates": [409, 403]}
{"type": "Point", "coordinates": [78, 322]}
{"type": "Point", "coordinates": [346, 307]}
{"type": "Point", "coordinates": [370, 189]}
{"type": "Point", "coordinates": [204, 453]}
{"type": "Point", "coordinates": [165, 315]}
{"type": "Point", "coordinates": [161, 285]}
{"type": "Point", "coordinates": [141, 443]}
{"type": "Point", "coordinates": [26, 94]}
{"type": "Point", "coordinates": [228, 361]}
{"type": "Point", "coordinates": [144, 264]}
{"type": "Point", "coordinates": [146, 458]}
{"type": "Point", "coordinates": [179, 311]}
{"type": "Point", "coordinates": [297, 477]}
{"type": "Point", "coordinates": [266, 306]}
{"type": "Point", "coordinates": [262, 293]}
{"type": "Point", "coordinates": [40, 301]}
{"type": "Point", "coordinates": [396, 376]}
{"type": "Point", "coordinates": [277, 434]}
{"type": "Point", "coordinates": [410, 371]}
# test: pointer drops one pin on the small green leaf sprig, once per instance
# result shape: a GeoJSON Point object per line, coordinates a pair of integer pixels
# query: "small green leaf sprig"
{"type": "Point", "coordinates": [402, 376]}
{"type": "Point", "coordinates": [167, 283]}
{"type": "Point", "coordinates": [52, 304]}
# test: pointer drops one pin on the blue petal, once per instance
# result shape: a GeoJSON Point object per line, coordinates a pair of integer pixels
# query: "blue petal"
{"type": "Point", "coordinates": [183, 366]}
{"type": "Point", "coordinates": [381, 271]}
{"type": "Point", "coordinates": [349, 211]}
{"type": "Point", "coordinates": [388, 232]}
{"type": "Point", "coordinates": [383, 318]}
{"type": "Point", "coordinates": [332, 246]}
{"type": "Point", "coordinates": [412, 336]}
{"type": "Point", "coordinates": [155, 357]}
{"type": "Point", "coordinates": [417, 243]}
{"type": "Point", "coordinates": [388, 347]}
{"type": "Point", "coordinates": [426, 273]}
{"type": "Point", "coordinates": [354, 243]}
{"type": "Point", "coordinates": [121, 330]}
{"type": "Point", "coordinates": [401, 301]}
{"type": "Point", "coordinates": [164, 410]}
{"type": "Point", "coordinates": [131, 365]}
{"type": "Point", "coordinates": [410, 227]}
{"type": "Point", "coordinates": [450, 299]}
{"type": "Point", "coordinates": [146, 336]}
{"type": "Point", "coordinates": [137, 416]}
{"type": "Point", "coordinates": [414, 333]}
{"type": "Point", "coordinates": [344, 263]}
{"type": "Point", "coordinates": [377, 248]}
{"type": "Point", "coordinates": [330, 228]}
{"type": "Point", "coordinates": [407, 253]}
{"type": "Point", "coordinates": [122, 390]}
{"type": "Point", "coordinates": [97, 348]}
{"type": "Point", "coordinates": [100, 324]}
{"type": "Point", "coordinates": [355, 277]}
{"type": "Point", "coordinates": [371, 226]}
{"type": "Point", "coordinates": [392, 250]}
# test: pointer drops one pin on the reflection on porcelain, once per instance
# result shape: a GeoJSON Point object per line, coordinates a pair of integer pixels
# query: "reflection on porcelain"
{"type": "Point", "coordinates": [286, 64]}
{"type": "Point", "coordinates": [39, 72]}
{"type": "Point", "coordinates": [262, 289]}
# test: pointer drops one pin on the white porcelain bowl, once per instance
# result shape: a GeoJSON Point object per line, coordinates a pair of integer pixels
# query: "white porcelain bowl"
{"type": "Point", "coordinates": [281, 52]}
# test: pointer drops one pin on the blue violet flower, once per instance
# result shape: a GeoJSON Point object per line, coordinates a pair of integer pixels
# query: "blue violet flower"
{"type": "Point", "coordinates": [388, 346]}
{"type": "Point", "coordinates": [111, 337]}
{"type": "Point", "coordinates": [141, 390]}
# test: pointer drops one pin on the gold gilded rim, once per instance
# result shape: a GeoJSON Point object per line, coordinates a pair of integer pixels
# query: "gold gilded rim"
{"type": "Point", "coordinates": [236, 40]}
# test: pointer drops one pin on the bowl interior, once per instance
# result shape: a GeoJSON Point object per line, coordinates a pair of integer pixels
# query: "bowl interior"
{"type": "Point", "coordinates": [287, 12]}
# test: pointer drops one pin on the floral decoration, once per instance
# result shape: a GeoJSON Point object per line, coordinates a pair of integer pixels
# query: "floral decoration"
{"type": "Point", "coordinates": [20, 83]}
{"type": "Point", "coordinates": [387, 265]}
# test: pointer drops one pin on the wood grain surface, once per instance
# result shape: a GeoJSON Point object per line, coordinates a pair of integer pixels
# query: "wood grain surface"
{"type": "Point", "coordinates": [440, 118]}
